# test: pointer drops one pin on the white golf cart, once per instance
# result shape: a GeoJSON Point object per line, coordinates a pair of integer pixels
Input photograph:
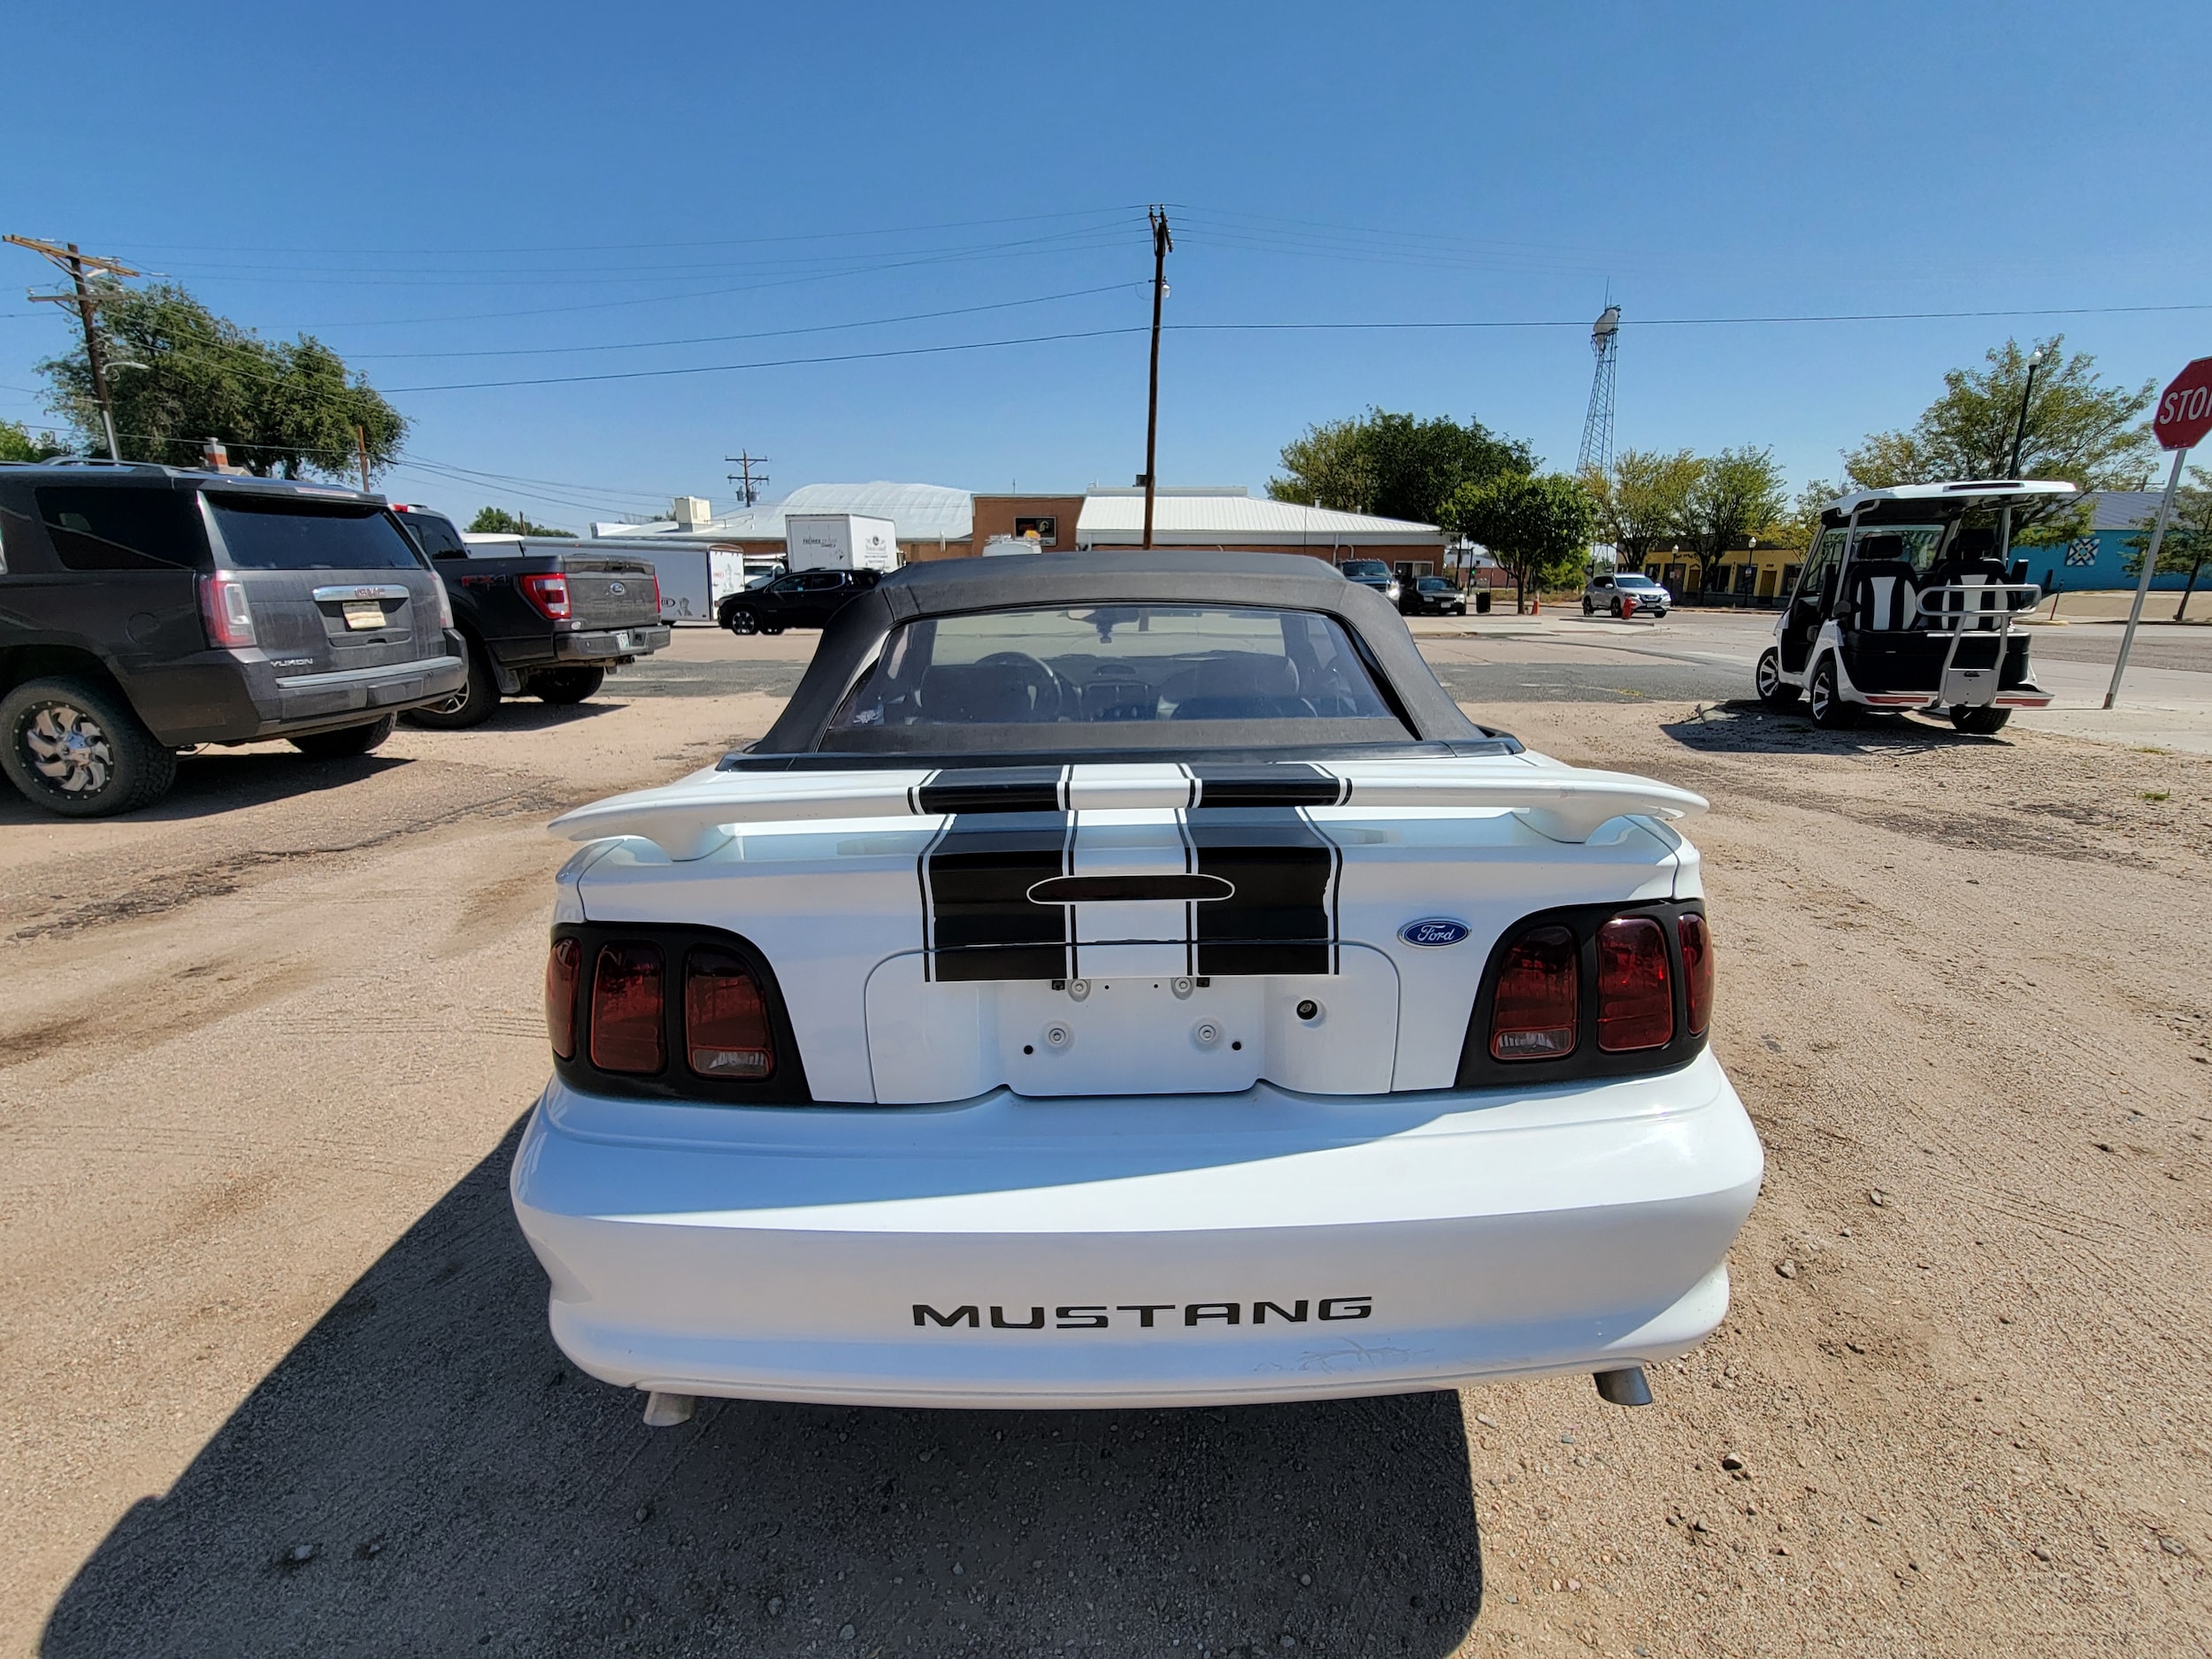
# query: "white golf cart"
{"type": "Point", "coordinates": [1901, 604]}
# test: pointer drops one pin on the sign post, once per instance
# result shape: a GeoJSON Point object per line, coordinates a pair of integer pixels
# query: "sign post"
{"type": "Point", "coordinates": [2184, 414]}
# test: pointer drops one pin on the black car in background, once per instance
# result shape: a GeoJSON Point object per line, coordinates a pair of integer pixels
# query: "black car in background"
{"type": "Point", "coordinates": [549, 621]}
{"type": "Point", "coordinates": [146, 609]}
{"type": "Point", "coordinates": [1431, 597]}
{"type": "Point", "coordinates": [803, 599]}
{"type": "Point", "coordinates": [1373, 574]}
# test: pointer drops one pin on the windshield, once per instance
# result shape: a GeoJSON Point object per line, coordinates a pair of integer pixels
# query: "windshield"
{"type": "Point", "coordinates": [288, 534]}
{"type": "Point", "coordinates": [1634, 581]}
{"type": "Point", "coordinates": [1358, 570]}
{"type": "Point", "coordinates": [1147, 677]}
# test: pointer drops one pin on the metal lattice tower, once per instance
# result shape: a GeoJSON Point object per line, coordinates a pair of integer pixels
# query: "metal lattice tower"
{"type": "Point", "coordinates": [1597, 425]}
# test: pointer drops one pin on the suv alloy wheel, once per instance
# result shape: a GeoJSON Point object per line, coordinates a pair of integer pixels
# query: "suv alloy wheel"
{"type": "Point", "coordinates": [79, 750]}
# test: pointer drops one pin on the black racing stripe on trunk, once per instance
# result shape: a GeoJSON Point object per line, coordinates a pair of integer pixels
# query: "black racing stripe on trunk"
{"type": "Point", "coordinates": [1282, 918]}
{"type": "Point", "coordinates": [979, 923]}
{"type": "Point", "coordinates": [994, 789]}
{"type": "Point", "coordinates": [1280, 783]}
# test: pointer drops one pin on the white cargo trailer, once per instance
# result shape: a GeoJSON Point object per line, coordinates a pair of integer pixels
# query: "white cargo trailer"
{"type": "Point", "coordinates": [840, 541]}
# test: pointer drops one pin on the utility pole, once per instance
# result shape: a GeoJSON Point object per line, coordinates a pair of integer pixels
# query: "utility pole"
{"type": "Point", "coordinates": [66, 259]}
{"type": "Point", "coordinates": [361, 445]}
{"type": "Point", "coordinates": [1161, 244]}
{"type": "Point", "coordinates": [750, 483]}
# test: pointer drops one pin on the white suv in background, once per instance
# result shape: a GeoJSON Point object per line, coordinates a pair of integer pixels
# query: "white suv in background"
{"type": "Point", "coordinates": [1614, 593]}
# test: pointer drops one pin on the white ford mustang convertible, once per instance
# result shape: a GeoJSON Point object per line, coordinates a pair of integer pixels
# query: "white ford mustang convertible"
{"type": "Point", "coordinates": [1125, 981]}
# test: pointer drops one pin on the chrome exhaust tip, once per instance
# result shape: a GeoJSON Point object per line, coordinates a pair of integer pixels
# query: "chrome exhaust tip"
{"type": "Point", "coordinates": [1624, 1387]}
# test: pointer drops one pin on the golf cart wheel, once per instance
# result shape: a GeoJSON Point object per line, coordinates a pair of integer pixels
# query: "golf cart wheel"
{"type": "Point", "coordinates": [741, 619]}
{"type": "Point", "coordinates": [565, 685]}
{"type": "Point", "coordinates": [347, 740]}
{"type": "Point", "coordinates": [473, 705]}
{"type": "Point", "coordinates": [1774, 691]}
{"type": "Point", "coordinates": [76, 749]}
{"type": "Point", "coordinates": [1980, 722]}
{"type": "Point", "coordinates": [1826, 701]}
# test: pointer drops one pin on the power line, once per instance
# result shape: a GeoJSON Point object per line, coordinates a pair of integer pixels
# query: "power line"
{"type": "Point", "coordinates": [1710, 322]}
{"type": "Point", "coordinates": [739, 242]}
{"type": "Point", "coordinates": [776, 363]}
{"type": "Point", "coordinates": [765, 334]}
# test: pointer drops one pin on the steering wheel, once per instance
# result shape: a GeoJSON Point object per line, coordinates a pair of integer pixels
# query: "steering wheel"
{"type": "Point", "coordinates": [1045, 689]}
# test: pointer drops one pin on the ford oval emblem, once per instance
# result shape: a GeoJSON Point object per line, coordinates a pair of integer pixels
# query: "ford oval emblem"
{"type": "Point", "coordinates": [1434, 929]}
{"type": "Point", "coordinates": [617, 588]}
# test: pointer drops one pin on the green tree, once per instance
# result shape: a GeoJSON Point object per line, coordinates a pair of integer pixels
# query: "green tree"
{"type": "Point", "coordinates": [2078, 429]}
{"type": "Point", "coordinates": [1643, 502]}
{"type": "Point", "coordinates": [1799, 522]}
{"type": "Point", "coordinates": [1393, 465]}
{"type": "Point", "coordinates": [499, 521]}
{"type": "Point", "coordinates": [179, 374]}
{"type": "Point", "coordinates": [1737, 493]}
{"type": "Point", "coordinates": [1537, 527]}
{"type": "Point", "coordinates": [17, 444]}
{"type": "Point", "coordinates": [2187, 548]}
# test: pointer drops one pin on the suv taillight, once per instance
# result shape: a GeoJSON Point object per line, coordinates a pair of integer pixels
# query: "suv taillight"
{"type": "Point", "coordinates": [1697, 970]}
{"type": "Point", "coordinates": [445, 604]}
{"type": "Point", "coordinates": [563, 967]}
{"type": "Point", "coordinates": [226, 611]}
{"type": "Point", "coordinates": [657, 595]}
{"type": "Point", "coordinates": [626, 1010]}
{"type": "Point", "coordinates": [1635, 990]}
{"type": "Point", "coordinates": [1537, 1006]}
{"type": "Point", "coordinates": [548, 594]}
{"type": "Point", "coordinates": [725, 1018]}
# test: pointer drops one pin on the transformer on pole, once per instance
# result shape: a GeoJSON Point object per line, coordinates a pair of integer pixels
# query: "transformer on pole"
{"type": "Point", "coordinates": [1597, 425]}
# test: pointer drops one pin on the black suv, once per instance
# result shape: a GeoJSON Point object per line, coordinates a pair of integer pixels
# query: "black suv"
{"type": "Point", "coordinates": [144, 610]}
{"type": "Point", "coordinates": [803, 599]}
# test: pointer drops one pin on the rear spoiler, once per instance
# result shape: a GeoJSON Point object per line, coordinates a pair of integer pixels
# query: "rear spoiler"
{"type": "Point", "coordinates": [691, 818]}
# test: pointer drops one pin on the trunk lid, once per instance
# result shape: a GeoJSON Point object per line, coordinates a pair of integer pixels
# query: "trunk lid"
{"type": "Point", "coordinates": [1130, 929]}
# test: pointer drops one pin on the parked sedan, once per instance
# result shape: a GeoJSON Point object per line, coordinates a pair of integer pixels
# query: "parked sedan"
{"type": "Point", "coordinates": [1130, 980]}
{"type": "Point", "coordinates": [1431, 596]}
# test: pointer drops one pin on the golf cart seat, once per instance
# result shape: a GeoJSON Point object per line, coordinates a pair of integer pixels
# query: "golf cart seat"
{"type": "Point", "coordinates": [1884, 598]}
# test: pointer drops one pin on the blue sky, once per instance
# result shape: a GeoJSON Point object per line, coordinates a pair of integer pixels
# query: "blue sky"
{"type": "Point", "coordinates": [420, 180]}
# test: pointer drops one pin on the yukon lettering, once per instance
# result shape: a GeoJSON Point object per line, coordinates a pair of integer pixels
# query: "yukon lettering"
{"type": "Point", "coordinates": [1094, 1317]}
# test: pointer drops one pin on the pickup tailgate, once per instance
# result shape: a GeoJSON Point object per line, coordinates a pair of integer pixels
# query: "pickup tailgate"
{"type": "Point", "coordinates": [608, 592]}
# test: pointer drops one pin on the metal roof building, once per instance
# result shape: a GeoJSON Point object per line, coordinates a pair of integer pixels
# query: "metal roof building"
{"type": "Point", "coordinates": [923, 513]}
{"type": "Point", "coordinates": [1232, 518]}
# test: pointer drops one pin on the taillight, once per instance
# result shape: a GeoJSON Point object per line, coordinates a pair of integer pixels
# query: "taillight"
{"type": "Point", "coordinates": [548, 594]}
{"type": "Point", "coordinates": [657, 595]}
{"type": "Point", "coordinates": [226, 611]}
{"type": "Point", "coordinates": [1697, 968]}
{"type": "Point", "coordinates": [626, 1010]}
{"type": "Point", "coordinates": [445, 604]}
{"type": "Point", "coordinates": [1537, 1005]}
{"type": "Point", "coordinates": [725, 1018]}
{"type": "Point", "coordinates": [564, 965]}
{"type": "Point", "coordinates": [1635, 995]}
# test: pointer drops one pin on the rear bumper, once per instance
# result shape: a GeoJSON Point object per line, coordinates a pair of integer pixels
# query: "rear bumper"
{"type": "Point", "coordinates": [226, 697]}
{"type": "Point", "coordinates": [1002, 1252]}
{"type": "Point", "coordinates": [606, 645]}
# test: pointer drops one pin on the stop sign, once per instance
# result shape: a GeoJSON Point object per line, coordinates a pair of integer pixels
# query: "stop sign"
{"type": "Point", "coordinates": [2184, 408]}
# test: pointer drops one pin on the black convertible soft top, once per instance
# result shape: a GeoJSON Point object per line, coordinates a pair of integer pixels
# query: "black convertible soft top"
{"type": "Point", "coordinates": [1283, 581]}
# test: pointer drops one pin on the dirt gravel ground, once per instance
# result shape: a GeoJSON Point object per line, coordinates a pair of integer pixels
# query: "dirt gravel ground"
{"type": "Point", "coordinates": [278, 1380]}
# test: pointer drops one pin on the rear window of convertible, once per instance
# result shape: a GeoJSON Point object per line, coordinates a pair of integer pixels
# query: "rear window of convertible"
{"type": "Point", "coordinates": [1144, 676]}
